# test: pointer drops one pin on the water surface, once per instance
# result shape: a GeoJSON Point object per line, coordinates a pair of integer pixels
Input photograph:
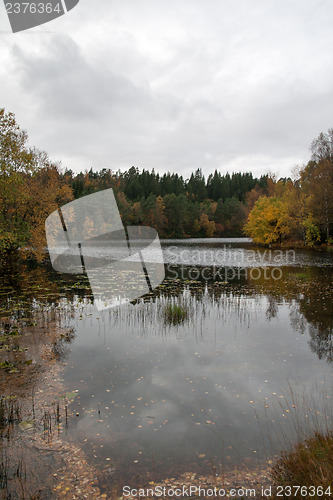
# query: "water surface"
{"type": "Point", "coordinates": [243, 372]}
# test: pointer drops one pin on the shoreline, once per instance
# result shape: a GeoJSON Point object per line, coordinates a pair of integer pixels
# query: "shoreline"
{"type": "Point", "coordinates": [34, 441]}
{"type": "Point", "coordinates": [37, 441]}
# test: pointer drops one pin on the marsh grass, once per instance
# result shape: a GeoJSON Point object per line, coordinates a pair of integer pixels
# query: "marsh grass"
{"type": "Point", "coordinates": [180, 312]}
{"type": "Point", "coordinates": [10, 413]}
{"type": "Point", "coordinates": [308, 463]}
{"type": "Point", "coordinates": [302, 276]}
{"type": "Point", "coordinates": [175, 314]}
{"type": "Point", "coordinates": [16, 428]}
{"type": "Point", "coordinates": [306, 438]}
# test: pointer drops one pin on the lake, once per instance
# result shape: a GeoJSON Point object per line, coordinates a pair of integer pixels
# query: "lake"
{"type": "Point", "coordinates": [222, 366]}
{"type": "Point", "coordinates": [225, 383]}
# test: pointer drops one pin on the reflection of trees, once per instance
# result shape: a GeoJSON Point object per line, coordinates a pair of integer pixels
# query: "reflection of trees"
{"type": "Point", "coordinates": [36, 295]}
{"type": "Point", "coordinates": [297, 320]}
{"type": "Point", "coordinates": [33, 314]}
{"type": "Point", "coordinates": [317, 307]}
{"type": "Point", "coordinates": [308, 291]}
{"type": "Point", "coordinates": [310, 294]}
{"type": "Point", "coordinates": [321, 343]}
{"type": "Point", "coordinates": [272, 308]}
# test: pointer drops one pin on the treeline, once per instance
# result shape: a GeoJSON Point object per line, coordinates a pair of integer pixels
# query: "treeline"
{"type": "Point", "coordinates": [31, 187]}
{"type": "Point", "coordinates": [174, 206]}
{"type": "Point", "coordinates": [138, 185]}
{"type": "Point", "coordinates": [223, 205]}
{"type": "Point", "coordinates": [299, 210]}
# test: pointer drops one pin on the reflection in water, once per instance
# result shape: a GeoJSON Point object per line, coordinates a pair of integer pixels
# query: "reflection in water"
{"type": "Point", "coordinates": [227, 383]}
{"type": "Point", "coordinates": [237, 252]}
{"type": "Point", "coordinates": [311, 295]}
{"type": "Point", "coordinates": [198, 374]}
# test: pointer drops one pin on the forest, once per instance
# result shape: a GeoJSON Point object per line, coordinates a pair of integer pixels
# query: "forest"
{"type": "Point", "coordinates": [296, 211]}
{"type": "Point", "coordinates": [174, 206]}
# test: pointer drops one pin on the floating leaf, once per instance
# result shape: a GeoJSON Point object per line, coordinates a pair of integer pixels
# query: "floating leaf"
{"type": "Point", "coordinates": [70, 396]}
{"type": "Point", "coordinates": [26, 425]}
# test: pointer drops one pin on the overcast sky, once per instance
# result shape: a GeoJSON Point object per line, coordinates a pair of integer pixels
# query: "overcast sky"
{"type": "Point", "coordinates": [174, 84]}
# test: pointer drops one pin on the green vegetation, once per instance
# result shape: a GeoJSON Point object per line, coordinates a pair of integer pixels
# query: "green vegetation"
{"type": "Point", "coordinates": [176, 207]}
{"type": "Point", "coordinates": [293, 211]}
{"type": "Point", "coordinates": [268, 210]}
{"type": "Point", "coordinates": [175, 314]}
{"type": "Point", "coordinates": [299, 210]}
{"type": "Point", "coordinates": [8, 366]}
{"type": "Point", "coordinates": [309, 464]}
{"type": "Point", "coordinates": [31, 187]}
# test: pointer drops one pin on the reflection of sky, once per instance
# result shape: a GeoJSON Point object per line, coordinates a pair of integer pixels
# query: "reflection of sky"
{"type": "Point", "coordinates": [193, 390]}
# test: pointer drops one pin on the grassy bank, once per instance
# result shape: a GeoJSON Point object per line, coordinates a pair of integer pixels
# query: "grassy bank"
{"type": "Point", "coordinates": [309, 464]}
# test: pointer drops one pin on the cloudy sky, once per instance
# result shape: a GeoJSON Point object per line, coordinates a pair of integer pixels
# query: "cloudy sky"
{"type": "Point", "coordinates": [174, 84]}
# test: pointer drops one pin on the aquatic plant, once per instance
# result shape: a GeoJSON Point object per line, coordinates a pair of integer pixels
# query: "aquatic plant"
{"type": "Point", "coordinates": [175, 313]}
{"type": "Point", "coordinates": [8, 366]}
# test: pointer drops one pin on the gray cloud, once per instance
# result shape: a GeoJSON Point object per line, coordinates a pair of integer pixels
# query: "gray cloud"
{"type": "Point", "coordinates": [175, 85]}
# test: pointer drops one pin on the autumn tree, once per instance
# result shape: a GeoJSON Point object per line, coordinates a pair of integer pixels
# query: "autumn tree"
{"type": "Point", "coordinates": [160, 218]}
{"type": "Point", "coordinates": [268, 221]}
{"type": "Point", "coordinates": [317, 183]}
{"type": "Point", "coordinates": [31, 187]}
{"type": "Point", "coordinates": [127, 214]}
{"type": "Point", "coordinates": [208, 226]}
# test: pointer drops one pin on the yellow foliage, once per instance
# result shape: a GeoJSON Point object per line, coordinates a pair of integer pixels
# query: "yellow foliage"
{"type": "Point", "coordinates": [268, 221]}
{"type": "Point", "coordinates": [30, 189]}
{"type": "Point", "coordinates": [207, 225]}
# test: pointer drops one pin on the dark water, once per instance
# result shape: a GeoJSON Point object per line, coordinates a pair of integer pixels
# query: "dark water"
{"type": "Point", "coordinates": [246, 370]}
{"type": "Point", "coordinates": [226, 363]}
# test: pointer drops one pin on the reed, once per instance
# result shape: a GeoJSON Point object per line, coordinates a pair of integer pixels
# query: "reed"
{"type": "Point", "coordinates": [307, 442]}
{"type": "Point", "coordinates": [175, 314]}
{"type": "Point", "coordinates": [309, 464]}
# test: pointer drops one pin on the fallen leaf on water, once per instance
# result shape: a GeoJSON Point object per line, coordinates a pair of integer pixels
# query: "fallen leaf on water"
{"type": "Point", "coordinates": [70, 396]}
{"type": "Point", "coordinates": [26, 425]}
